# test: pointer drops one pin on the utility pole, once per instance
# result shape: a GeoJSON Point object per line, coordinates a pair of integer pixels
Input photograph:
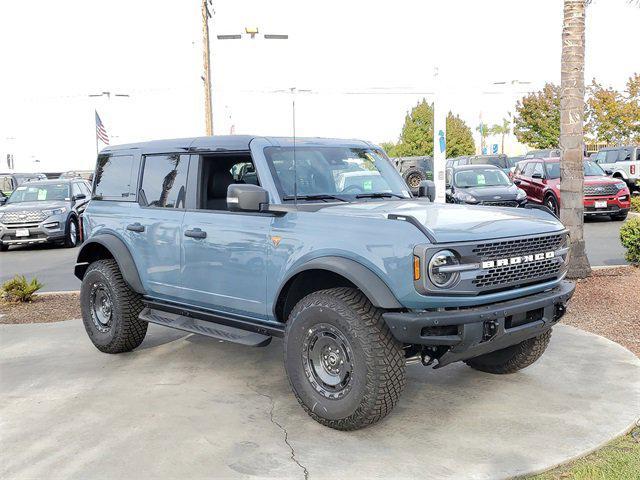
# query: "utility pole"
{"type": "Point", "coordinates": [206, 62]}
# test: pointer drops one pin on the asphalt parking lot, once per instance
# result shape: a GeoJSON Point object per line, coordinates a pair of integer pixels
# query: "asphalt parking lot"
{"type": "Point", "coordinates": [53, 265]}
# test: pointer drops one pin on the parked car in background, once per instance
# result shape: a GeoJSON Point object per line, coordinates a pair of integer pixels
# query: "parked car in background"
{"type": "Point", "coordinates": [414, 170]}
{"type": "Point", "coordinates": [512, 162]}
{"type": "Point", "coordinates": [483, 185]}
{"type": "Point", "coordinates": [622, 162]}
{"type": "Point", "coordinates": [84, 174]}
{"type": "Point", "coordinates": [545, 153]}
{"type": "Point", "coordinates": [456, 161]}
{"type": "Point", "coordinates": [43, 211]}
{"type": "Point", "coordinates": [10, 181]}
{"type": "Point", "coordinates": [499, 161]}
{"type": "Point", "coordinates": [603, 195]}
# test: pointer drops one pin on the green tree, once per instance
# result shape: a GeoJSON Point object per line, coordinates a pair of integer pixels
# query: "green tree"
{"type": "Point", "coordinates": [459, 137]}
{"type": "Point", "coordinates": [501, 130]}
{"type": "Point", "coordinates": [612, 116]}
{"type": "Point", "coordinates": [537, 118]}
{"type": "Point", "coordinates": [416, 137]}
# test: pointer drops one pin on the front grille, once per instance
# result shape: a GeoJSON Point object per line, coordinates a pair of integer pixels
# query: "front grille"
{"type": "Point", "coordinates": [520, 273]}
{"type": "Point", "coordinates": [503, 203]}
{"type": "Point", "coordinates": [520, 246]}
{"type": "Point", "coordinates": [600, 190]}
{"type": "Point", "coordinates": [24, 217]}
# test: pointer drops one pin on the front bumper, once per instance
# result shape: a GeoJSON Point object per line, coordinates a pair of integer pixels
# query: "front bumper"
{"type": "Point", "coordinates": [470, 332]}
{"type": "Point", "coordinates": [51, 229]}
{"type": "Point", "coordinates": [613, 206]}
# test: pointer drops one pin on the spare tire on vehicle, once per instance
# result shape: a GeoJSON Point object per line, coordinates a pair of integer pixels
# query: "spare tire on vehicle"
{"type": "Point", "coordinates": [413, 177]}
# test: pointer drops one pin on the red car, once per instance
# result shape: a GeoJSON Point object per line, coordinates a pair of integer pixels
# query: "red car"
{"type": "Point", "coordinates": [603, 195]}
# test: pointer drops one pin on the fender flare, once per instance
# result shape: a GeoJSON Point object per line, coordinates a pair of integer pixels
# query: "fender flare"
{"type": "Point", "coordinates": [120, 253]}
{"type": "Point", "coordinates": [622, 174]}
{"type": "Point", "coordinates": [373, 287]}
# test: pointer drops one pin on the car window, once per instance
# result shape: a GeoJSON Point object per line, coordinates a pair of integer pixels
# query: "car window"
{"type": "Point", "coordinates": [164, 181]}
{"type": "Point", "coordinates": [485, 177]}
{"type": "Point", "coordinates": [115, 178]}
{"type": "Point", "coordinates": [75, 189]}
{"type": "Point", "coordinates": [6, 183]}
{"type": "Point", "coordinates": [86, 189]}
{"type": "Point", "coordinates": [624, 155]}
{"type": "Point", "coordinates": [43, 192]}
{"type": "Point", "coordinates": [612, 156]}
{"type": "Point", "coordinates": [527, 171]}
{"type": "Point", "coordinates": [601, 157]}
{"type": "Point", "coordinates": [538, 169]}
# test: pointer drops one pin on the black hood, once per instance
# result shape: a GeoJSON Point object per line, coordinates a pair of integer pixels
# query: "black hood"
{"type": "Point", "coordinates": [485, 194]}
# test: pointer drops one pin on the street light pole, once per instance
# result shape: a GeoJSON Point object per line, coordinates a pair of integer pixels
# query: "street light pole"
{"type": "Point", "coordinates": [206, 60]}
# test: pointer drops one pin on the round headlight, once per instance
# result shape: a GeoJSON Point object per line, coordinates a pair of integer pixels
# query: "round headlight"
{"type": "Point", "coordinates": [438, 275]}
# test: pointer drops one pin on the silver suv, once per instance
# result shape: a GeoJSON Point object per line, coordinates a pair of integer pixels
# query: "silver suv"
{"type": "Point", "coordinates": [623, 162]}
{"type": "Point", "coordinates": [43, 211]}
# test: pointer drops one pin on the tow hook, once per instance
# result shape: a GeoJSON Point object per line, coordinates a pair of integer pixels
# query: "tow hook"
{"type": "Point", "coordinates": [489, 330]}
{"type": "Point", "coordinates": [422, 358]}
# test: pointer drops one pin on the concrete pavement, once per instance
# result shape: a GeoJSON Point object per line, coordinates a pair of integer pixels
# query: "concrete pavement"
{"type": "Point", "coordinates": [602, 238]}
{"type": "Point", "coordinates": [183, 406]}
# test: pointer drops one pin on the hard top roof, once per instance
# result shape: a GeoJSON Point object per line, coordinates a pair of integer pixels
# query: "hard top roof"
{"type": "Point", "coordinates": [230, 143]}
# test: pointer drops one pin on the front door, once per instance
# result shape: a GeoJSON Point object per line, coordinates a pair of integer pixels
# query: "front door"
{"type": "Point", "coordinates": [225, 253]}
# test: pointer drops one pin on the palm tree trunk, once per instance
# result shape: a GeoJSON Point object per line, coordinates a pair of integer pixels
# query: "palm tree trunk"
{"type": "Point", "coordinates": [571, 134]}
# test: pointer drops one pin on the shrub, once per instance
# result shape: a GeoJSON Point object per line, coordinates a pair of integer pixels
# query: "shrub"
{"type": "Point", "coordinates": [18, 289]}
{"type": "Point", "coordinates": [630, 238]}
{"type": "Point", "coordinates": [635, 203]}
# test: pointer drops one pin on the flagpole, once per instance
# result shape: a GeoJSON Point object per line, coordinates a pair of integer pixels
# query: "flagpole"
{"type": "Point", "coordinates": [95, 129]}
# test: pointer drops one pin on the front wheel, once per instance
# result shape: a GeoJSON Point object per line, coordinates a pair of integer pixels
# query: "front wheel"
{"type": "Point", "coordinates": [513, 358]}
{"type": "Point", "coordinates": [552, 204]}
{"type": "Point", "coordinates": [344, 365]}
{"type": "Point", "coordinates": [110, 309]}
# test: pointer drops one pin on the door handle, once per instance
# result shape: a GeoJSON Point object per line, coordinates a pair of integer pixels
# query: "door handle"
{"type": "Point", "coordinates": [195, 233]}
{"type": "Point", "coordinates": [135, 227]}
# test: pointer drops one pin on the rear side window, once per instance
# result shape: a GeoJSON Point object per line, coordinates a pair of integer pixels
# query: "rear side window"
{"type": "Point", "coordinates": [115, 178]}
{"type": "Point", "coordinates": [612, 156]}
{"type": "Point", "coordinates": [164, 181]}
{"type": "Point", "coordinates": [625, 155]}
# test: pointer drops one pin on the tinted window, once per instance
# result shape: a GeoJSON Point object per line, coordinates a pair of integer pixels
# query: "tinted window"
{"type": "Point", "coordinates": [538, 169]}
{"type": "Point", "coordinates": [116, 177]}
{"type": "Point", "coordinates": [625, 155]}
{"type": "Point", "coordinates": [75, 189]}
{"type": "Point", "coordinates": [164, 180]}
{"type": "Point", "coordinates": [86, 189]}
{"type": "Point", "coordinates": [612, 156]}
{"type": "Point", "coordinates": [601, 157]}
{"type": "Point", "coordinates": [500, 162]}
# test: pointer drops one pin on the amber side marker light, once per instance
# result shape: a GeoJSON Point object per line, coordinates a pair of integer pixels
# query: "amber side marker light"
{"type": "Point", "coordinates": [416, 267]}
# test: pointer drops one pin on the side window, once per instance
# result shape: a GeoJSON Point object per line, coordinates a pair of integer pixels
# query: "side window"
{"type": "Point", "coordinates": [220, 171]}
{"type": "Point", "coordinates": [612, 156]}
{"type": "Point", "coordinates": [75, 189]}
{"type": "Point", "coordinates": [164, 181]}
{"type": "Point", "coordinates": [625, 155]}
{"type": "Point", "coordinates": [527, 171]}
{"type": "Point", "coordinates": [601, 157]}
{"type": "Point", "coordinates": [86, 189]}
{"type": "Point", "coordinates": [115, 178]}
{"type": "Point", "coordinates": [538, 169]}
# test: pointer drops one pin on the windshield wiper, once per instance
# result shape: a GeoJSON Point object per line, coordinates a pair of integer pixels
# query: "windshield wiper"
{"type": "Point", "coordinates": [322, 196]}
{"type": "Point", "coordinates": [379, 195]}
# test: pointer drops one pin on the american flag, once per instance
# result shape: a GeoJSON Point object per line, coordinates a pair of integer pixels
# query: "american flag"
{"type": "Point", "coordinates": [101, 132]}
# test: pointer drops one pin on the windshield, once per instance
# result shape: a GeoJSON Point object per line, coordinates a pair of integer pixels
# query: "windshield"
{"type": "Point", "coordinates": [344, 172]}
{"type": "Point", "coordinates": [33, 192]}
{"type": "Point", "coordinates": [591, 169]}
{"type": "Point", "coordinates": [485, 177]}
{"type": "Point", "coordinates": [500, 162]}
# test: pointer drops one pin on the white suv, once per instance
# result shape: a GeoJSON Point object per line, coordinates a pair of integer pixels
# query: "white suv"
{"type": "Point", "coordinates": [623, 162]}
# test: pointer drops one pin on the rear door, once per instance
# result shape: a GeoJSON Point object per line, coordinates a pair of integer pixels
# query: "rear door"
{"type": "Point", "coordinates": [154, 225]}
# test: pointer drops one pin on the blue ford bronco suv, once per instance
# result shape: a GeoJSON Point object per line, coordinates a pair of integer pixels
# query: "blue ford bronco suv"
{"type": "Point", "coordinates": [319, 242]}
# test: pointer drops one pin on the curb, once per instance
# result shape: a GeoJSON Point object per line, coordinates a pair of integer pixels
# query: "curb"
{"type": "Point", "coordinates": [607, 267]}
{"type": "Point", "coordinates": [59, 292]}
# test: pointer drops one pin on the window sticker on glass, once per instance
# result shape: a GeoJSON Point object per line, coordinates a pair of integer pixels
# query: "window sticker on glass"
{"type": "Point", "coordinates": [21, 188]}
{"type": "Point", "coordinates": [481, 180]}
{"type": "Point", "coordinates": [42, 194]}
{"type": "Point", "coordinates": [367, 185]}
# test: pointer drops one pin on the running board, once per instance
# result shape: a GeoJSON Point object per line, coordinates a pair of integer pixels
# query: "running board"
{"type": "Point", "coordinates": [204, 327]}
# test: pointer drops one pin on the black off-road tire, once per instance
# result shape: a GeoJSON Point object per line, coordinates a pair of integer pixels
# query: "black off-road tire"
{"type": "Point", "coordinates": [125, 331]}
{"type": "Point", "coordinates": [4, 248]}
{"type": "Point", "coordinates": [69, 241]}
{"type": "Point", "coordinates": [513, 358]}
{"type": "Point", "coordinates": [413, 177]}
{"type": "Point", "coordinates": [378, 375]}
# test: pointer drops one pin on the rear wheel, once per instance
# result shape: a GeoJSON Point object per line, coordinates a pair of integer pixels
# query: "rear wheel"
{"type": "Point", "coordinates": [552, 204]}
{"type": "Point", "coordinates": [71, 238]}
{"type": "Point", "coordinates": [344, 366]}
{"type": "Point", "coordinates": [110, 309]}
{"type": "Point", "coordinates": [513, 358]}
{"type": "Point", "coordinates": [413, 177]}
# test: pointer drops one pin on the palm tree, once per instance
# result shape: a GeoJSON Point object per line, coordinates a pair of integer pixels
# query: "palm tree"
{"type": "Point", "coordinates": [571, 134]}
{"type": "Point", "coordinates": [502, 130]}
{"type": "Point", "coordinates": [484, 130]}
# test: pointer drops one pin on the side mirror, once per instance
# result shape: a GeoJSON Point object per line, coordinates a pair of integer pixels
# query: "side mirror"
{"type": "Point", "coordinates": [3, 200]}
{"type": "Point", "coordinates": [609, 172]}
{"type": "Point", "coordinates": [80, 196]}
{"type": "Point", "coordinates": [517, 181]}
{"type": "Point", "coordinates": [427, 189]}
{"type": "Point", "coordinates": [246, 198]}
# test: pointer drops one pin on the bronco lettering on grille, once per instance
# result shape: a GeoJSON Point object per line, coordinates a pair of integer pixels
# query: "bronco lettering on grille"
{"type": "Point", "coordinates": [503, 262]}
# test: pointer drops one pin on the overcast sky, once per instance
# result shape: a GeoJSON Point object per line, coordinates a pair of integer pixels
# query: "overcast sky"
{"type": "Point", "coordinates": [365, 62]}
